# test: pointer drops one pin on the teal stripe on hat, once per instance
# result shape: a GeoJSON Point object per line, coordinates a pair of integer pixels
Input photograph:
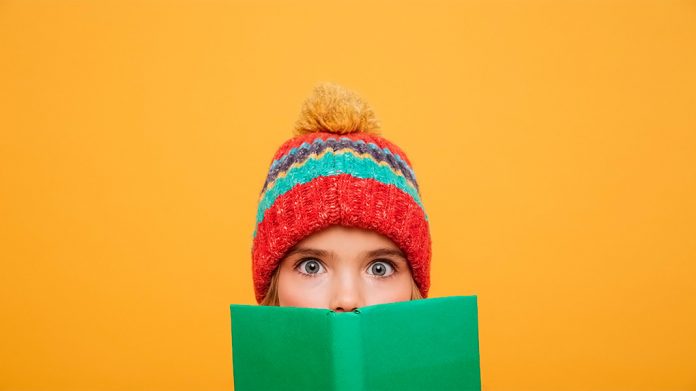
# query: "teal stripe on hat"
{"type": "Point", "coordinates": [331, 164]}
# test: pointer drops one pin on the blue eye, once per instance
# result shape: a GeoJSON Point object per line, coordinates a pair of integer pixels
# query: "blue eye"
{"type": "Point", "coordinates": [310, 266]}
{"type": "Point", "coordinates": [380, 269]}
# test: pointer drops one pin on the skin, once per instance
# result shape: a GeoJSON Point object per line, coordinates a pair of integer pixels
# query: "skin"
{"type": "Point", "coordinates": [342, 269]}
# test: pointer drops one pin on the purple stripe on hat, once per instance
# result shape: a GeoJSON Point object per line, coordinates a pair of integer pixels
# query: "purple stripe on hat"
{"type": "Point", "coordinates": [320, 145]}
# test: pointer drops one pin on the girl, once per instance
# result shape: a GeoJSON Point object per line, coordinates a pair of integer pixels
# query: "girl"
{"type": "Point", "coordinates": [340, 223]}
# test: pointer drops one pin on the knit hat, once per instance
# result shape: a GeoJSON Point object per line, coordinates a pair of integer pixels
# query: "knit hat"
{"type": "Point", "coordinates": [338, 171]}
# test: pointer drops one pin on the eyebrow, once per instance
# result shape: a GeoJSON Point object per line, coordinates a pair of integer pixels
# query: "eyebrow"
{"type": "Point", "coordinates": [386, 252]}
{"type": "Point", "coordinates": [307, 252]}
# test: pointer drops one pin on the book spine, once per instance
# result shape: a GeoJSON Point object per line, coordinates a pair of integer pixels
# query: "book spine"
{"type": "Point", "coordinates": [347, 352]}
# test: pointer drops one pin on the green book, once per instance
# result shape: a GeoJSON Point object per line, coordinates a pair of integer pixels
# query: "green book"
{"type": "Point", "coordinates": [429, 344]}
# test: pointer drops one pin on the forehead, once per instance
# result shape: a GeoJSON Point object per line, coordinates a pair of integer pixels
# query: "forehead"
{"type": "Point", "coordinates": [347, 240]}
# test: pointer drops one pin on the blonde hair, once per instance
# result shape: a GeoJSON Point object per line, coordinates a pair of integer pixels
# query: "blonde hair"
{"type": "Point", "coordinates": [271, 297]}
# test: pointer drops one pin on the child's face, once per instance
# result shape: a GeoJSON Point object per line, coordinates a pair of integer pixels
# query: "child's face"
{"type": "Point", "coordinates": [342, 269]}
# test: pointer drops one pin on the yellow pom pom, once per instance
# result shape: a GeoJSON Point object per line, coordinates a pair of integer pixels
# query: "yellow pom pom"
{"type": "Point", "coordinates": [334, 109]}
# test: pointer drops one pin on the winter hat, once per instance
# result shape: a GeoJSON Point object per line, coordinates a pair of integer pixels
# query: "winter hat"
{"type": "Point", "coordinates": [338, 171]}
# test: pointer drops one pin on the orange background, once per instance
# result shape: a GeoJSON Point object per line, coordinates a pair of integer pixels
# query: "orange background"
{"type": "Point", "coordinates": [555, 144]}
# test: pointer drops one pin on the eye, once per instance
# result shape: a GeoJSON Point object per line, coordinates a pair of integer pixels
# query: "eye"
{"type": "Point", "coordinates": [310, 266]}
{"type": "Point", "coordinates": [380, 269]}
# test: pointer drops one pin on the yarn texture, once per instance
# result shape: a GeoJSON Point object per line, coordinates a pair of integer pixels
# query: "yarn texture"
{"type": "Point", "coordinates": [337, 171]}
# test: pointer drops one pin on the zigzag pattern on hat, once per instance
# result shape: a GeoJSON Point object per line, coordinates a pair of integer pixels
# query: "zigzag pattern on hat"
{"type": "Point", "coordinates": [330, 162]}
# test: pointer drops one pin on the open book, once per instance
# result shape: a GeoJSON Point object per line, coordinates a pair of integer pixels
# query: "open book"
{"type": "Point", "coordinates": [429, 344]}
